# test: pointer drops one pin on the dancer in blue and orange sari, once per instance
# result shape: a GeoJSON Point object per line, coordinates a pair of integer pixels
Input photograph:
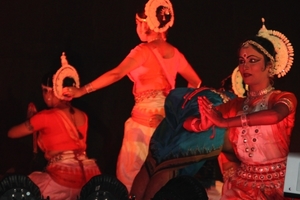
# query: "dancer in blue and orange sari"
{"type": "Point", "coordinates": [175, 151]}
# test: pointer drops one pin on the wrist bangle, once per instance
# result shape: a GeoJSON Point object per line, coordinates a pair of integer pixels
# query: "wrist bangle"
{"type": "Point", "coordinates": [89, 88]}
{"type": "Point", "coordinates": [193, 125]}
{"type": "Point", "coordinates": [244, 121]}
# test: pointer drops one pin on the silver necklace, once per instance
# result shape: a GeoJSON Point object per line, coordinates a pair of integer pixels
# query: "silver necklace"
{"type": "Point", "coordinates": [253, 95]}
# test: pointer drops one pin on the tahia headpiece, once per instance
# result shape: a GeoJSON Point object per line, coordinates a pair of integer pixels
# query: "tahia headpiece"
{"type": "Point", "coordinates": [151, 13]}
{"type": "Point", "coordinates": [283, 48]}
{"type": "Point", "coordinates": [237, 83]}
{"type": "Point", "coordinates": [281, 63]}
{"type": "Point", "coordinates": [64, 71]}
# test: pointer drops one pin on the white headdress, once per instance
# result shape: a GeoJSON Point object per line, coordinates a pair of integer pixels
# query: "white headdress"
{"type": "Point", "coordinates": [281, 63]}
{"type": "Point", "coordinates": [151, 13]}
{"type": "Point", "coordinates": [237, 83]}
{"type": "Point", "coordinates": [283, 48]}
{"type": "Point", "coordinates": [64, 71]}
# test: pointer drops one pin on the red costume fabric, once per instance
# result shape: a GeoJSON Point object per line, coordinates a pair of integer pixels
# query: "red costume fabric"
{"type": "Point", "coordinates": [262, 150]}
{"type": "Point", "coordinates": [151, 74]}
{"type": "Point", "coordinates": [70, 169]}
{"type": "Point", "coordinates": [55, 135]}
{"type": "Point", "coordinates": [153, 80]}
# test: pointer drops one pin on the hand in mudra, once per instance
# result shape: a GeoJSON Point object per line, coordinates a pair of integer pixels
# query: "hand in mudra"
{"type": "Point", "coordinates": [209, 115]}
{"type": "Point", "coordinates": [155, 120]}
{"type": "Point", "coordinates": [203, 106]}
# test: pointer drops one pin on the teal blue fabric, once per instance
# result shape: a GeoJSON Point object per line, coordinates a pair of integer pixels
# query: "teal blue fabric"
{"type": "Point", "coordinates": [171, 141]}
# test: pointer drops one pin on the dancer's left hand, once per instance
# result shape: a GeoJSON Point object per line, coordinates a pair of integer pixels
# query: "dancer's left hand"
{"type": "Point", "coordinates": [70, 92]}
{"type": "Point", "coordinates": [207, 109]}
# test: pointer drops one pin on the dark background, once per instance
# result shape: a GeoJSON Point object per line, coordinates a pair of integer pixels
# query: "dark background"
{"type": "Point", "coordinates": [96, 35]}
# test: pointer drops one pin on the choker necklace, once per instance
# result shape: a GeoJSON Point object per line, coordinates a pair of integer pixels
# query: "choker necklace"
{"type": "Point", "coordinates": [151, 40]}
{"type": "Point", "coordinates": [252, 94]}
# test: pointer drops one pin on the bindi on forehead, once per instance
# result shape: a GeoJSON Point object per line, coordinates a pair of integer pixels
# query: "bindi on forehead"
{"type": "Point", "coordinates": [247, 51]}
{"type": "Point", "coordinates": [243, 52]}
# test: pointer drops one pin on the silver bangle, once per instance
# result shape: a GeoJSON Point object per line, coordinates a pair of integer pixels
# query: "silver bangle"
{"type": "Point", "coordinates": [89, 88]}
{"type": "Point", "coordinates": [244, 120]}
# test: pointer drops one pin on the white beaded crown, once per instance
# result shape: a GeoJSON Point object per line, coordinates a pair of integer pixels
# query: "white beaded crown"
{"type": "Point", "coordinates": [284, 50]}
{"type": "Point", "coordinates": [64, 71]}
{"type": "Point", "coordinates": [150, 11]}
{"type": "Point", "coordinates": [282, 63]}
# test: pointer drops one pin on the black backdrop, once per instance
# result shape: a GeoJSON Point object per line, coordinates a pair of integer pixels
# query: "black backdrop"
{"type": "Point", "coordinates": [97, 35]}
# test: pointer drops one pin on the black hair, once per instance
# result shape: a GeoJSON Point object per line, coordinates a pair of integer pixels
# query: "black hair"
{"type": "Point", "coordinates": [47, 80]}
{"type": "Point", "coordinates": [68, 82]}
{"type": "Point", "coordinates": [162, 17]}
{"type": "Point", "coordinates": [266, 44]}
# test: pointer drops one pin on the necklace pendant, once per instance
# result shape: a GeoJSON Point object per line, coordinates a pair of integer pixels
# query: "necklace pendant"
{"type": "Point", "coordinates": [262, 105]}
{"type": "Point", "coordinates": [245, 107]}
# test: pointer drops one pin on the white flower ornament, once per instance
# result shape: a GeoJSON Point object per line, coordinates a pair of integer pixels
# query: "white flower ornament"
{"type": "Point", "coordinates": [150, 11]}
{"type": "Point", "coordinates": [64, 71]}
{"type": "Point", "coordinates": [237, 83]}
{"type": "Point", "coordinates": [284, 50]}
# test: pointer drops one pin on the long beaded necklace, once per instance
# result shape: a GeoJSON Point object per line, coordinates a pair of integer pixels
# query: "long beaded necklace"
{"type": "Point", "coordinates": [251, 95]}
{"type": "Point", "coordinates": [259, 102]}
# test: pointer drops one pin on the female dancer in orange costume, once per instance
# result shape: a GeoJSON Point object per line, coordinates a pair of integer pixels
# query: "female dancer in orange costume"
{"type": "Point", "coordinates": [152, 66]}
{"type": "Point", "coordinates": [62, 137]}
{"type": "Point", "coordinates": [260, 125]}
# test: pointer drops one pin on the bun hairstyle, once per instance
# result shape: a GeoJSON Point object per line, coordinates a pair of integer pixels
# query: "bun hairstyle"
{"type": "Point", "coordinates": [65, 76]}
{"type": "Point", "coordinates": [163, 16]}
{"type": "Point", "coordinates": [47, 80]}
{"type": "Point", "coordinates": [68, 82]}
{"type": "Point", "coordinates": [158, 14]}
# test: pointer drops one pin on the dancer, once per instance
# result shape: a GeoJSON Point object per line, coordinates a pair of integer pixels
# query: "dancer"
{"type": "Point", "coordinates": [260, 125]}
{"type": "Point", "coordinates": [62, 137]}
{"type": "Point", "coordinates": [174, 151]}
{"type": "Point", "coordinates": [152, 66]}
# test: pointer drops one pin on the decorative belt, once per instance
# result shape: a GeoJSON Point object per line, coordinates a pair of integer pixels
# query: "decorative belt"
{"type": "Point", "coordinates": [77, 155]}
{"type": "Point", "coordinates": [147, 120]}
{"type": "Point", "coordinates": [262, 172]}
{"type": "Point", "coordinates": [228, 173]}
{"type": "Point", "coordinates": [147, 94]}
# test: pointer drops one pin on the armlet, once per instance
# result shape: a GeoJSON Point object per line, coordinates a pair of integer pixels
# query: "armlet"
{"type": "Point", "coordinates": [287, 102]}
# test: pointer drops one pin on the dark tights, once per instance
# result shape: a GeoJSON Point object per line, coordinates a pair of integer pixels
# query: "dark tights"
{"type": "Point", "coordinates": [144, 187]}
